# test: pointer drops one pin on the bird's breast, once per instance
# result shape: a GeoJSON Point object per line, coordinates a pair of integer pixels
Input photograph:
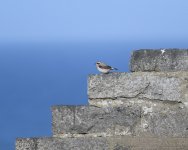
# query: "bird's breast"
{"type": "Point", "coordinates": [103, 70]}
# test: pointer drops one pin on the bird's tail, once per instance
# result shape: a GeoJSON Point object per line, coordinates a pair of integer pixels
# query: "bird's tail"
{"type": "Point", "coordinates": [114, 69]}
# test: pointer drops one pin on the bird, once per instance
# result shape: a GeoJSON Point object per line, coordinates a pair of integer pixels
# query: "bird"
{"type": "Point", "coordinates": [104, 68]}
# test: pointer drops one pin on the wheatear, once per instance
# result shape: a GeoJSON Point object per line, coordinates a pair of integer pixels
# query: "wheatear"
{"type": "Point", "coordinates": [102, 67]}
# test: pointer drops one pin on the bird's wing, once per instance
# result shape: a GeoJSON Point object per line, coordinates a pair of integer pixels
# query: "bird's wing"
{"type": "Point", "coordinates": [102, 66]}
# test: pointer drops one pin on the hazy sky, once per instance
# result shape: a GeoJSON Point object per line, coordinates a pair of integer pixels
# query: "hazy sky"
{"type": "Point", "coordinates": [71, 20]}
{"type": "Point", "coordinates": [48, 48]}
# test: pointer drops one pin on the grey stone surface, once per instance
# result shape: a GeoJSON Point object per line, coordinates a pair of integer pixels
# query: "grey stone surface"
{"type": "Point", "coordinates": [94, 121]}
{"type": "Point", "coordinates": [144, 119]}
{"type": "Point", "coordinates": [147, 143]}
{"type": "Point", "coordinates": [169, 120]}
{"type": "Point", "coordinates": [26, 144]}
{"type": "Point", "coordinates": [62, 144]}
{"type": "Point", "coordinates": [155, 60]}
{"type": "Point", "coordinates": [160, 86]}
{"type": "Point", "coordinates": [102, 143]}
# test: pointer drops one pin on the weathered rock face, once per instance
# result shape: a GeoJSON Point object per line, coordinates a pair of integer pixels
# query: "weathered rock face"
{"type": "Point", "coordinates": [168, 121]}
{"type": "Point", "coordinates": [62, 144]}
{"type": "Point", "coordinates": [134, 120]}
{"type": "Point", "coordinates": [143, 110]}
{"type": "Point", "coordinates": [159, 60]}
{"type": "Point", "coordinates": [162, 98]}
{"type": "Point", "coordinates": [102, 143]}
{"type": "Point", "coordinates": [91, 120]}
{"type": "Point", "coordinates": [143, 85]}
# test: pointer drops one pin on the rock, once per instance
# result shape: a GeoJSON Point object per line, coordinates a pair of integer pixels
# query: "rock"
{"type": "Point", "coordinates": [143, 85]}
{"type": "Point", "coordinates": [159, 60]}
{"type": "Point", "coordinates": [26, 144]}
{"type": "Point", "coordinates": [61, 144]}
{"type": "Point", "coordinates": [146, 109]}
{"type": "Point", "coordinates": [164, 120]}
{"type": "Point", "coordinates": [94, 121]}
{"type": "Point", "coordinates": [167, 120]}
{"type": "Point", "coordinates": [102, 143]}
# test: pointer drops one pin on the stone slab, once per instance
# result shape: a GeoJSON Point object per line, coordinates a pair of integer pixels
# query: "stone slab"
{"type": "Point", "coordinates": [163, 120]}
{"type": "Point", "coordinates": [94, 121]}
{"type": "Point", "coordinates": [144, 119]}
{"type": "Point", "coordinates": [102, 143]}
{"type": "Point", "coordinates": [61, 144]}
{"type": "Point", "coordinates": [159, 60]}
{"type": "Point", "coordinates": [161, 86]}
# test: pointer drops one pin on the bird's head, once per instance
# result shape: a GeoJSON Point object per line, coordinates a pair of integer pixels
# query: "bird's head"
{"type": "Point", "coordinates": [97, 63]}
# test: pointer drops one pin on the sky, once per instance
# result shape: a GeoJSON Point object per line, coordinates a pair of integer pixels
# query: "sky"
{"type": "Point", "coordinates": [48, 49]}
{"type": "Point", "coordinates": [93, 20]}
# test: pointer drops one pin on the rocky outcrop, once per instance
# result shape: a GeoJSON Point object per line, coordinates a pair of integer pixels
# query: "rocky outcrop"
{"type": "Point", "coordinates": [145, 109]}
{"type": "Point", "coordinates": [94, 121]}
{"type": "Point", "coordinates": [103, 143]}
{"type": "Point", "coordinates": [141, 85]}
{"type": "Point", "coordinates": [159, 60]}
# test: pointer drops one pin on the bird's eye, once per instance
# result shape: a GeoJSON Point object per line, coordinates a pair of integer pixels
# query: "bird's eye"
{"type": "Point", "coordinates": [98, 63]}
